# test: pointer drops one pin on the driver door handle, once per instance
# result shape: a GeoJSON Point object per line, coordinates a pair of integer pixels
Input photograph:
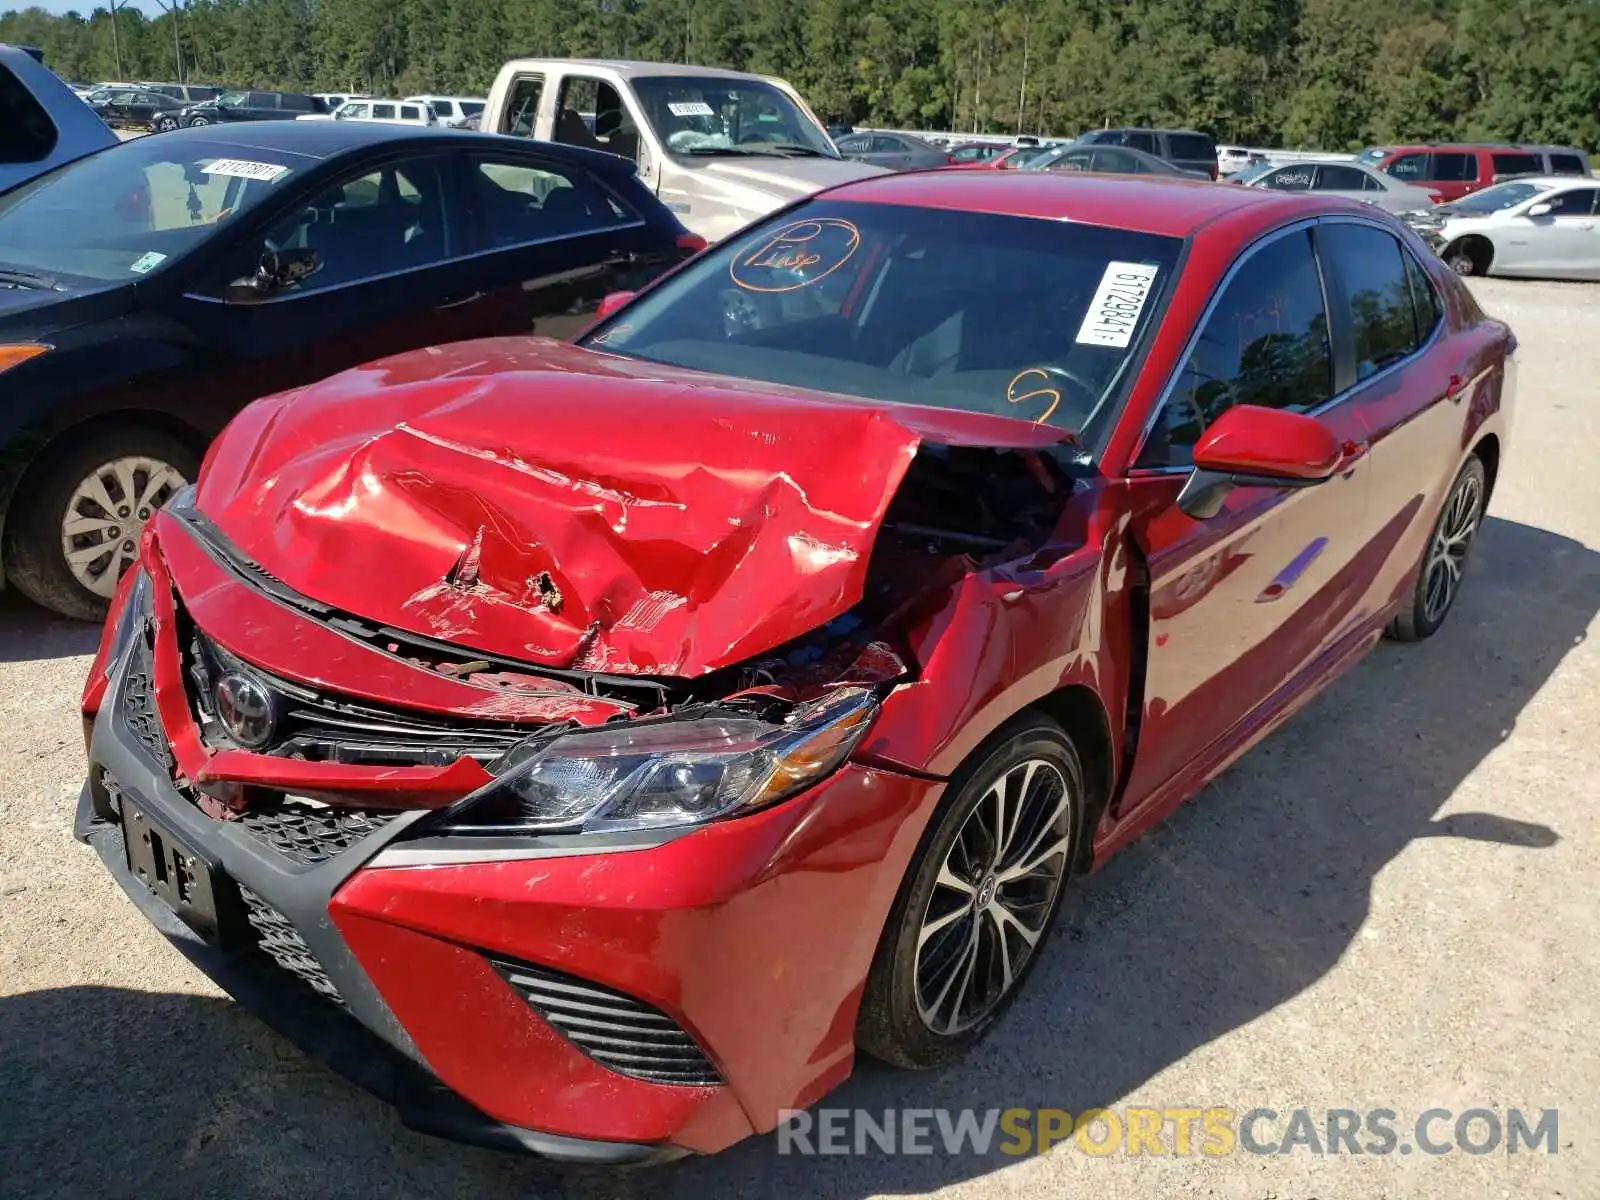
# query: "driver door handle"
{"type": "Point", "coordinates": [459, 301]}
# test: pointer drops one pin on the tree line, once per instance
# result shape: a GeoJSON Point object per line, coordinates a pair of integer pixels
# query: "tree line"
{"type": "Point", "coordinates": [1327, 74]}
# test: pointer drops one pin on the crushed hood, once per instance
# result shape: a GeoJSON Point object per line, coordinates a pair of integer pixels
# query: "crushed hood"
{"type": "Point", "coordinates": [560, 506]}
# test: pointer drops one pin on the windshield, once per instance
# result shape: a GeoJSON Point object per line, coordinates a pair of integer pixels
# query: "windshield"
{"type": "Point", "coordinates": [998, 315]}
{"type": "Point", "coordinates": [134, 208]}
{"type": "Point", "coordinates": [710, 115]}
{"type": "Point", "coordinates": [1498, 198]}
{"type": "Point", "coordinates": [1372, 156]}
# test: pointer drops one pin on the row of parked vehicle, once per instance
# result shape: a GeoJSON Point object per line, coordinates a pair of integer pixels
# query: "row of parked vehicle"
{"type": "Point", "coordinates": [164, 107]}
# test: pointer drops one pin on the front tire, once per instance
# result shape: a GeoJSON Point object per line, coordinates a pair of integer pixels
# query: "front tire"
{"type": "Point", "coordinates": [76, 522]}
{"type": "Point", "coordinates": [1469, 256]}
{"type": "Point", "coordinates": [166, 125]}
{"type": "Point", "coordinates": [197, 122]}
{"type": "Point", "coordinates": [1445, 561]}
{"type": "Point", "coordinates": [978, 900]}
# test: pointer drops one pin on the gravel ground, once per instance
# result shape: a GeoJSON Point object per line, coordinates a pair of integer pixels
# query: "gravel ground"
{"type": "Point", "coordinates": [1389, 904]}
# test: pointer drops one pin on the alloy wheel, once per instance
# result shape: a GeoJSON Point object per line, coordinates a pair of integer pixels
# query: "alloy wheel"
{"type": "Point", "coordinates": [105, 514]}
{"type": "Point", "coordinates": [993, 896]}
{"type": "Point", "coordinates": [1447, 554]}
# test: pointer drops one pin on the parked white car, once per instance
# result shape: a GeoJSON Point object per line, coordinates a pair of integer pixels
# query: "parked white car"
{"type": "Point", "coordinates": [1541, 227]}
{"type": "Point", "coordinates": [1349, 180]}
{"type": "Point", "coordinates": [387, 112]}
{"type": "Point", "coordinates": [452, 111]}
{"type": "Point", "coordinates": [1232, 159]}
{"type": "Point", "coordinates": [332, 100]}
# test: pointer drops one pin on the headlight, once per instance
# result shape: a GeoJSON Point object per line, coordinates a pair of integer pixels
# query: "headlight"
{"type": "Point", "coordinates": [674, 771]}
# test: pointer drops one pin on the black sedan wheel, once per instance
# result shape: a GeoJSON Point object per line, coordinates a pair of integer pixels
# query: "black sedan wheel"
{"type": "Point", "coordinates": [166, 124]}
{"type": "Point", "coordinates": [196, 122]}
{"type": "Point", "coordinates": [978, 900]}
{"type": "Point", "coordinates": [75, 526]}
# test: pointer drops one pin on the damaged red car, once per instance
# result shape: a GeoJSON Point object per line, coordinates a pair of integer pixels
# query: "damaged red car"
{"type": "Point", "coordinates": [591, 747]}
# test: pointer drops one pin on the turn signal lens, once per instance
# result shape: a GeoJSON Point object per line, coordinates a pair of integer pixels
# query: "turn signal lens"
{"type": "Point", "coordinates": [16, 355]}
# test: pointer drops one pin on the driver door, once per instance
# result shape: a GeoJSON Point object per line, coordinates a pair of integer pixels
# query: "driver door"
{"type": "Point", "coordinates": [1244, 602]}
{"type": "Point", "coordinates": [392, 276]}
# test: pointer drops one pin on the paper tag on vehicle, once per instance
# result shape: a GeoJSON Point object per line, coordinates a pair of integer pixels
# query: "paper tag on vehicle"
{"type": "Point", "coordinates": [689, 108]}
{"type": "Point", "coordinates": [147, 262]}
{"type": "Point", "coordinates": [1114, 311]}
{"type": "Point", "coordinates": [240, 168]}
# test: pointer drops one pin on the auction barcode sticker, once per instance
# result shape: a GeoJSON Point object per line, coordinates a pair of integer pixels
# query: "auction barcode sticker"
{"type": "Point", "coordinates": [240, 168]}
{"type": "Point", "coordinates": [689, 108]}
{"type": "Point", "coordinates": [1114, 311]}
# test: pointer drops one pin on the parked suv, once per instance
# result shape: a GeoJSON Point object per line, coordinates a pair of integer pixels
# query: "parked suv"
{"type": "Point", "coordinates": [189, 93]}
{"type": "Point", "coordinates": [1186, 148]}
{"type": "Point", "coordinates": [1456, 170]}
{"type": "Point", "coordinates": [250, 106]}
{"type": "Point", "coordinates": [44, 123]}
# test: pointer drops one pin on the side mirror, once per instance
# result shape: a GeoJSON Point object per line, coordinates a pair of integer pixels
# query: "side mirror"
{"type": "Point", "coordinates": [1249, 446]}
{"type": "Point", "coordinates": [279, 269]}
{"type": "Point", "coordinates": [612, 302]}
{"type": "Point", "coordinates": [1542, 209]}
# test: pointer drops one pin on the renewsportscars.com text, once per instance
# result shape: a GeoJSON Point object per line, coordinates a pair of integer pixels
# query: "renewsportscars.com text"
{"type": "Point", "coordinates": [1181, 1132]}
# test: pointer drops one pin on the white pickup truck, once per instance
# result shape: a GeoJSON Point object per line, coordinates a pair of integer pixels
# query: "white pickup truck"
{"type": "Point", "coordinates": [720, 148]}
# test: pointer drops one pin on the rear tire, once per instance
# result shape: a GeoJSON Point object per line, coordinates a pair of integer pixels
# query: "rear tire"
{"type": "Point", "coordinates": [134, 469]}
{"type": "Point", "coordinates": [1445, 560]}
{"type": "Point", "coordinates": [949, 962]}
{"type": "Point", "coordinates": [166, 125]}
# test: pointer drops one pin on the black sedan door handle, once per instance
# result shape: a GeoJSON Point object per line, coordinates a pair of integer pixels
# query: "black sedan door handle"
{"type": "Point", "coordinates": [459, 302]}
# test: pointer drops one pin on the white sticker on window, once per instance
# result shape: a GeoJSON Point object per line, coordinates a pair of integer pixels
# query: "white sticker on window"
{"type": "Point", "coordinates": [148, 262]}
{"type": "Point", "coordinates": [689, 108]}
{"type": "Point", "coordinates": [1114, 312]}
{"type": "Point", "coordinates": [240, 168]}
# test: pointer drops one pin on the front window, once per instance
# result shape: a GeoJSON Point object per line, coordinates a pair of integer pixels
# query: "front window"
{"type": "Point", "coordinates": [134, 208]}
{"type": "Point", "coordinates": [707, 115]}
{"type": "Point", "coordinates": [1497, 198]}
{"type": "Point", "coordinates": [997, 315]}
{"type": "Point", "coordinates": [233, 99]}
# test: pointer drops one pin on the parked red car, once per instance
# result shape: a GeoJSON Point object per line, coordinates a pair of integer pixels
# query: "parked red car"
{"type": "Point", "coordinates": [1454, 170]}
{"type": "Point", "coordinates": [591, 747]}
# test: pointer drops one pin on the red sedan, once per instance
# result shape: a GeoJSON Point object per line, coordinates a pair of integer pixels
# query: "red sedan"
{"type": "Point", "coordinates": [592, 747]}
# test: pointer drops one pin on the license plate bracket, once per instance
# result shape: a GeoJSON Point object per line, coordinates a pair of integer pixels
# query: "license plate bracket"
{"type": "Point", "coordinates": [181, 876]}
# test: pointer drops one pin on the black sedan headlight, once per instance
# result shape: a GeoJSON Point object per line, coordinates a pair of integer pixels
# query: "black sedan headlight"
{"type": "Point", "coordinates": [676, 771]}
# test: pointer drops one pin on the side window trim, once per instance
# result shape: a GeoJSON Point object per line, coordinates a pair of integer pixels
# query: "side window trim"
{"type": "Point", "coordinates": [1339, 336]}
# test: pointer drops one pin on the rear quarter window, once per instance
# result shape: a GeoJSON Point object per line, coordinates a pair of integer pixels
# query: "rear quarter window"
{"type": "Point", "coordinates": [1567, 164]}
{"type": "Point", "coordinates": [1191, 146]}
{"type": "Point", "coordinates": [27, 134]}
{"type": "Point", "coordinates": [1515, 164]}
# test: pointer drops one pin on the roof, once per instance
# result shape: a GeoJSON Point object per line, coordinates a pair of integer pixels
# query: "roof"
{"type": "Point", "coordinates": [1162, 205]}
{"type": "Point", "coordinates": [628, 67]}
{"type": "Point", "coordinates": [325, 139]}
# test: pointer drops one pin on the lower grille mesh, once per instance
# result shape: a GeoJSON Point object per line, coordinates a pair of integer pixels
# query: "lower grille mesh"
{"type": "Point", "coordinates": [281, 942]}
{"type": "Point", "coordinates": [139, 704]}
{"type": "Point", "coordinates": [310, 835]}
{"type": "Point", "coordinates": [621, 1033]}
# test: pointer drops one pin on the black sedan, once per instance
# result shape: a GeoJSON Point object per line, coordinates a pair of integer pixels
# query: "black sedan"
{"type": "Point", "coordinates": [150, 291]}
{"type": "Point", "coordinates": [132, 108]}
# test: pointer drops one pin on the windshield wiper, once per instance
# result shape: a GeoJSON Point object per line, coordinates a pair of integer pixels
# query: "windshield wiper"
{"type": "Point", "coordinates": [17, 278]}
{"type": "Point", "coordinates": [795, 148]}
{"type": "Point", "coordinates": [711, 151]}
{"type": "Point", "coordinates": [761, 150]}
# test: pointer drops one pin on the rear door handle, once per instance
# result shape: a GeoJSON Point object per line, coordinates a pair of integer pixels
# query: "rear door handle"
{"type": "Point", "coordinates": [459, 301]}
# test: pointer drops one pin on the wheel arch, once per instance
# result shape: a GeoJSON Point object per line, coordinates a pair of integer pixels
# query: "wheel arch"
{"type": "Point", "coordinates": [57, 440]}
{"type": "Point", "coordinates": [1487, 449]}
{"type": "Point", "coordinates": [1080, 712]}
{"type": "Point", "coordinates": [1479, 247]}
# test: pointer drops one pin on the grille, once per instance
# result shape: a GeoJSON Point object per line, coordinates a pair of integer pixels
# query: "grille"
{"type": "Point", "coordinates": [139, 705]}
{"type": "Point", "coordinates": [325, 727]}
{"type": "Point", "coordinates": [310, 835]}
{"type": "Point", "coordinates": [281, 942]}
{"type": "Point", "coordinates": [621, 1033]}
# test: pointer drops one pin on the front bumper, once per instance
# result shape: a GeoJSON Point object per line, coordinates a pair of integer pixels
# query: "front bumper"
{"type": "Point", "coordinates": [729, 932]}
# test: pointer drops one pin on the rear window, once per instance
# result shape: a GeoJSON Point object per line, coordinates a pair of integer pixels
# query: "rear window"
{"type": "Point", "coordinates": [27, 134]}
{"type": "Point", "coordinates": [914, 305]}
{"type": "Point", "coordinates": [298, 103]}
{"type": "Point", "coordinates": [1191, 146]}
{"type": "Point", "coordinates": [1515, 164]}
{"type": "Point", "coordinates": [383, 111]}
{"type": "Point", "coordinates": [410, 112]}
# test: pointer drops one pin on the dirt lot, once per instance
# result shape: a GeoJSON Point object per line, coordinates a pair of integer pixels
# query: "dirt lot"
{"type": "Point", "coordinates": [1388, 905]}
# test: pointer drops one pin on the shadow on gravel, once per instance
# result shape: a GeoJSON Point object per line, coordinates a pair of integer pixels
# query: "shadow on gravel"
{"type": "Point", "coordinates": [29, 633]}
{"type": "Point", "coordinates": [1245, 898]}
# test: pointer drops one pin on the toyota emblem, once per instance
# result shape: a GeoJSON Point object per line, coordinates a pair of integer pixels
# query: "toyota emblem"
{"type": "Point", "coordinates": [246, 709]}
